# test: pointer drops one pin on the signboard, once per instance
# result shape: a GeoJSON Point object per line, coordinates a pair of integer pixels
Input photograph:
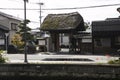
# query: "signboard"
{"type": "Point", "coordinates": [2, 42]}
{"type": "Point", "coordinates": [41, 42]}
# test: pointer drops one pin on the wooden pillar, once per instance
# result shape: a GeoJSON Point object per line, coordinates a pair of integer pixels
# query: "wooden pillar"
{"type": "Point", "coordinates": [56, 42]}
{"type": "Point", "coordinates": [79, 45]}
{"type": "Point", "coordinates": [93, 50]}
{"type": "Point", "coordinates": [69, 43]}
{"type": "Point", "coordinates": [51, 42]}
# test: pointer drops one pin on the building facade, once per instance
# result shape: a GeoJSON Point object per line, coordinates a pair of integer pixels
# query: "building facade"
{"type": "Point", "coordinates": [8, 27]}
{"type": "Point", "coordinates": [106, 36]}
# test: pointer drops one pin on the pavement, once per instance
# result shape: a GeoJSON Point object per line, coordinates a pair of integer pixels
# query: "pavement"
{"type": "Point", "coordinates": [54, 58]}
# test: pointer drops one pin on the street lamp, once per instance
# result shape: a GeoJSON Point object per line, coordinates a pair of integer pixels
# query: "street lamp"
{"type": "Point", "coordinates": [25, 59]}
{"type": "Point", "coordinates": [6, 35]}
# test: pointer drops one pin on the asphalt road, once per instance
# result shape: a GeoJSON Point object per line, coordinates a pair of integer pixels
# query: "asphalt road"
{"type": "Point", "coordinates": [45, 58]}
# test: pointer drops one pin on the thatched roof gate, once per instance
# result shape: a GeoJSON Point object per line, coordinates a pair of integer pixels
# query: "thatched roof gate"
{"type": "Point", "coordinates": [69, 23]}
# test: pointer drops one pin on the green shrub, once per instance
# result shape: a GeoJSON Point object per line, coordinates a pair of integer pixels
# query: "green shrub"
{"type": "Point", "coordinates": [2, 59]}
{"type": "Point", "coordinates": [114, 61]}
{"type": "Point", "coordinates": [111, 62]}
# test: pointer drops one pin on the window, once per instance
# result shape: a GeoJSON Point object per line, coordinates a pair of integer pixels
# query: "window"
{"type": "Point", "coordinates": [98, 42]}
{"type": "Point", "coordinates": [117, 40]}
{"type": "Point", "coordinates": [13, 26]}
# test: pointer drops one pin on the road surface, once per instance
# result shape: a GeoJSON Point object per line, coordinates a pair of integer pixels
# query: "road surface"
{"type": "Point", "coordinates": [45, 58]}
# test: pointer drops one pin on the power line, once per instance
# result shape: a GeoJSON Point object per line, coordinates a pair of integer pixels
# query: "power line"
{"type": "Point", "coordinates": [22, 1]}
{"type": "Point", "coordinates": [108, 5]}
{"type": "Point", "coordinates": [83, 7]}
{"type": "Point", "coordinates": [15, 0]}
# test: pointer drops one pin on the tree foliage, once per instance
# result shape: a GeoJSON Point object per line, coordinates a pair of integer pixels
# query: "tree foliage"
{"type": "Point", "coordinates": [25, 31]}
{"type": "Point", "coordinates": [86, 25]}
{"type": "Point", "coordinates": [17, 40]}
{"type": "Point", "coordinates": [2, 58]}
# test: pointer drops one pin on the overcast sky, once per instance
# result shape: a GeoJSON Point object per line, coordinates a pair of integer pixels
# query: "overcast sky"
{"type": "Point", "coordinates": [89, 14]}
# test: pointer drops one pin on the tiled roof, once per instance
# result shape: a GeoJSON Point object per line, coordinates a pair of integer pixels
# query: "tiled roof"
{"type": "Point", "coordinates": [4, 28]}
{"type": "Point", "coordinates": [9, 16]}
{"type": "Point", "coordinates": [107, 25]}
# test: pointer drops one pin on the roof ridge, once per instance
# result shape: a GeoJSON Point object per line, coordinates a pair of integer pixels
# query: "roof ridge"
{"type": "Point", "coordinates": [10, 16]}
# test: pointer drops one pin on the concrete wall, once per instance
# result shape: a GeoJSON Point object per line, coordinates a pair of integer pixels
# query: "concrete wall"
{"type": "Point", "coordinates": [69, 70]}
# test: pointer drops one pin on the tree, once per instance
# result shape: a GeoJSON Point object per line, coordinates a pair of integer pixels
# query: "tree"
{"type": "Point", "coordinates": [86, 24]}
{"type": "Point", "coordinates": [27, 29]}
{"type": "Point", "coordinates": [17, 40]}
{"type": "Point", "coordinates": [2, 58]}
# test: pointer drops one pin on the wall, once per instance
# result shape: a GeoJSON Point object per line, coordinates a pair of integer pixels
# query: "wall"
{"type": "Point", "coordinates": [5, 21]}
{"type": "Point", "coordinates": [75, 70]}
{"type": "Point", "coordinates": [103, 46]}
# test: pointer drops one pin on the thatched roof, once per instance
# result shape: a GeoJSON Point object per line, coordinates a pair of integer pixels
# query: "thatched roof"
{"type": "Point", "coordinates": [63, 22]}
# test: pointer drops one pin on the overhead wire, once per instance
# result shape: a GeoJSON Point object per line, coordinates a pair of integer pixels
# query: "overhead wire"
{"type": "Point", "coordinates": [15, 0]}
{"type": "Point", "coordinates": [108, 5]}
{"type": "Point", "coordinates": [21, 1]}
{"type": "Point", "coordinates": [83, 7]}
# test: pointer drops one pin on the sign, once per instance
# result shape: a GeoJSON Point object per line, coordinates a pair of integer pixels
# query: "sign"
{"type": "Point", "coordinates": [2, 42]}
{"type": "Point", "coordinates": [41, 42]}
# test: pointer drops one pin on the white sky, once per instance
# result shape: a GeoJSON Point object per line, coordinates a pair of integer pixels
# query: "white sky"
{"type": "Point", "coordinates": [89, 14]}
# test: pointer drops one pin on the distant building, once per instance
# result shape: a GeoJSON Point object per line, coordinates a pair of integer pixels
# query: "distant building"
{"type": "Point", "coordinates": [106, 36]}
{"type": "Point", "coordinates": [68, 30]}
{"type": "Point", "coordinates": [8, 24]}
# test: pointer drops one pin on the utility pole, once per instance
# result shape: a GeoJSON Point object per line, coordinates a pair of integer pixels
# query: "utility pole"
{"type": "Point", "coordinates": [25, 52]}
{"type": "Point", "coordinates": [6, 35]}
{"type": "Point", "coordinates": [40, 4]}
